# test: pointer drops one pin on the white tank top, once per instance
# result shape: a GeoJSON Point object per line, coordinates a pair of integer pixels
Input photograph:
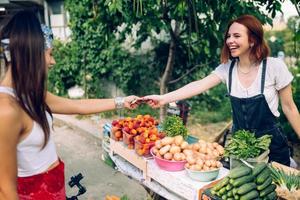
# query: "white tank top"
{"type": "Point", "coordinates": [31, 158]}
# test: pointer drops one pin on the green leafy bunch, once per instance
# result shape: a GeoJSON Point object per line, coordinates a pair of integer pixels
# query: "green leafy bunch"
{"type": "Point", "coordinates": [290, 181]}
{"type": "Point", "coordinates": [173, 125]}
{"type": "Point", "coordinates": [244, 144]}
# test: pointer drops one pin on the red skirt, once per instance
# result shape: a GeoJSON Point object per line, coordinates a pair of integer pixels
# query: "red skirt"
{"type": "Point", "coordinates": [49, 185]}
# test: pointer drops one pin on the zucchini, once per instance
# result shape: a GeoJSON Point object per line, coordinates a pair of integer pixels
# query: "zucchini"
{"type": "Point", "coordinates": [243, 180]}
{"type": "Point", "coordinates": [246, 188]}
{"type": "Point", "coordinates": [250, 195]}
{"type": "Point", "coordinates": [262, 177]}
{"type": "Point", "coordinates": [239, 172]}
{"type": "Point", "coordinates": [272, 196]}
{"type": "Point", "coordinates": [268, 190]}
{"type": "Point", "coordinates": [265, 184]}
{"type": "Point", "coordinates": [221, 184]}
{"type": "Point", "coordinates": [258, 168]}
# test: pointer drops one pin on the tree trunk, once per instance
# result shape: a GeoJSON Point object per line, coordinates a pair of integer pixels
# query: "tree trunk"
{"type": "Point", "coordinates": [168, 70]}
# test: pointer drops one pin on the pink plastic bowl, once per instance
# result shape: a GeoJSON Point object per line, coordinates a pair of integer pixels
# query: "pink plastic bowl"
{"type": "Point", "coordinates": [168, 165]}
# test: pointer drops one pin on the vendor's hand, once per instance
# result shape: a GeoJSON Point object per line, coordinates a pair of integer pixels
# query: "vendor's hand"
{"type": "Point", "coordinates": [155, 101]}
{"type": "Point", "coordinates": [131, 102]}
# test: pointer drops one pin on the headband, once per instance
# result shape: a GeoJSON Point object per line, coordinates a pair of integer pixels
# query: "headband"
{"type": "Point", "coordinates": [48, 37]}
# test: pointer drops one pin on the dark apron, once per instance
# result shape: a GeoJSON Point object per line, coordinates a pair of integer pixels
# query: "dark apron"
{"type": "Point", "coordinates": [253, 114]}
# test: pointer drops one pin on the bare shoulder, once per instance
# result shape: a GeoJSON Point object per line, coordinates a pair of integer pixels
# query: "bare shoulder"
{"type": "Point", "coordinates": [10, 113]}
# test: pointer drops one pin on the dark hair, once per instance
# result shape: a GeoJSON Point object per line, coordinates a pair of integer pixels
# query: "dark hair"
{"type": "Point", "coordinates": [28, 66]}
{"type": "Point", "coordinates": [260, 49]}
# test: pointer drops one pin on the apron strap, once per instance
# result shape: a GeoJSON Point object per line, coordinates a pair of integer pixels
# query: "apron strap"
{"type": "Point", "coordinates": [230, 75]}
{"type": "Point", "coordinates": [263, 75]}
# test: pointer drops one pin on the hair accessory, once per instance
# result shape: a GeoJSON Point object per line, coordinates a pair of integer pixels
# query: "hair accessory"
{"type": "Point", "coordinates": [4, 48]}
{"type": "Point", "coordinates": [48, 35]}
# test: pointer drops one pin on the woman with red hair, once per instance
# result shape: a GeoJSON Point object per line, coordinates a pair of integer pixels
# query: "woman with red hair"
{"type": "Point", "coordinates": [255, 84]}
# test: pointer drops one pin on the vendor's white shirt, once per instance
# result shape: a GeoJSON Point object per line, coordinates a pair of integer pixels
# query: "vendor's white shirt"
{"type": "Point", "coordinates": [277, 77]}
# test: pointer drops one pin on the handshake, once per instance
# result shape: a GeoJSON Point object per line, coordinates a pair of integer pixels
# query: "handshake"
{"type": "Point", "coordinates": [131, 102]}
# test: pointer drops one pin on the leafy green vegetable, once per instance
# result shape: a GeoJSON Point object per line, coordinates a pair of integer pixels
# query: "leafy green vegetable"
{"type": "Point", "coordinates": [173, 125]}
{"type": "Point", "coordinates": [124, 197]}
{"type": "Point", "coordinates": [287, 181]}
{"type": "Point", "coordinates": [244, 144]}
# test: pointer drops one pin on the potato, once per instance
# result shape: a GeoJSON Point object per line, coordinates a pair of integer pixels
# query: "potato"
{"type": "Point", "coordinates": [183, 157]}
{"type": "Point", "coordinates": [196, 147]}
{"type": "Point", "coordinates": [184, 145]}
{"type": "Point", "coordinates": [178, 139]}
{"type": "Point", "coordinates": [164, 149]}
{"type": "Point", "coordinates": [175, 149]}
{"type": "Point", "coordinates": [207, 163]}
{"type": "Point", "coordinates": [177, 157]}
{"type": "Point", "coordinates": [158, 144]}
{"type": "Point", "coordinates": [220, 149]}
{"type": "Point", "coordinates": [197, 167]}
{"type": "Point", "coordinates": [167, 140]}
{"type": "Point", "coordinates": [200, 162]}
{"type": "Point", "coordinates": [190, 160]}
{"type": "Point", "coordinates": [168, 156]}
{"type": "Point", "coordinates": [187, 152]}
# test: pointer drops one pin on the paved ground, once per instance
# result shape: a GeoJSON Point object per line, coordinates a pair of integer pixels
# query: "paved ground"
{"type": "Point", "coordinates": [79, 145]}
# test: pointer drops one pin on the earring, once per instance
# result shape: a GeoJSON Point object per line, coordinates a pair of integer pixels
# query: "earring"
{"type": "Point", "coordinates": [251, 45]}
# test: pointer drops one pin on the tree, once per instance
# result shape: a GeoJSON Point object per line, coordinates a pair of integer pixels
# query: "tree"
{"type": "Point", "coordinates": [186, 36]}
{"type": "Point", "coordinates": [195, 29]}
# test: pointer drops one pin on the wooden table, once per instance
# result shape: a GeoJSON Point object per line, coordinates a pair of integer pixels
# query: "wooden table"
{"type": "Point", "coordinates": [170, 185]}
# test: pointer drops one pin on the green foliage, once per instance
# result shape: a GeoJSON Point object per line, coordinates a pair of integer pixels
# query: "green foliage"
{"type": "Point", "coordinates": [173, 125]}
{"type": "Point", "coordinates": [96, 54]}
{"type": "Point", "coordinates": [244, 144]}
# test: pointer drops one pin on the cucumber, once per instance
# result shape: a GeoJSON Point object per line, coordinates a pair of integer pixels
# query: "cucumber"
{"type": "Point", "coordinates": [272, 196]}
{"type": "Point", "coordinates": [234, 191]}
{"type": "Point", "coordinates": [239, 172]}
{"type": "Point", "coordinates": [231, 180]}
{"type": "Point", "coordinates": [221, 184]}
{"type": "Point", "coordinates": [229, 193]}
{"type": "Point", "coordinates": [258, 168]}
{"type": "Point", "coordinates": [265, 184]}
{"type": "Point", "coordinates": [222, 191]}
{"type": "Point", "coordinates": [250, 195]}
{"type": "Point", "coordinates": [268, 190]}
{"type": "Point", "coordinates": [236, 197]}
{"type": "Point", "coordinates": [224, 197]}
{"type": "Point", "coordinates": [246, 188]}
{"type": "Point", "coordinates": [262, 177]}
{"type": "Point", "coordinates": [229, 187]}
{"type": "Point", "coordinates": [243, 180]}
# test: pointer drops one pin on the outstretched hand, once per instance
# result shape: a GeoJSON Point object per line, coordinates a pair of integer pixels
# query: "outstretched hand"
{"type": "Point", "coordinates": [131, 102]}
{"type": "Point", "coordinates": [155, 101]}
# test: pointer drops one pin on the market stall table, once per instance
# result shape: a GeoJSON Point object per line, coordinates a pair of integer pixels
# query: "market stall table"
{"type": "Point", "coordinates": [170, 185]}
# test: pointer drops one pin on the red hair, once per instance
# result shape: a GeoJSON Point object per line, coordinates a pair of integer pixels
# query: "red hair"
{"type": "Point", "coordinates": [260, 49]}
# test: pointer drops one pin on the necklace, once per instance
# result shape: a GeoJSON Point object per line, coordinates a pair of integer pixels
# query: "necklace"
{"type": "Point", "coordinates": [250, 68]}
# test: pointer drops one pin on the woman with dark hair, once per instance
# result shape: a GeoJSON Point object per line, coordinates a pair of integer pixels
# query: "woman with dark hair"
{"type": "Point", "coordinates": [255, 83]}
{"type": "Point", "coordinates": [30, 168]}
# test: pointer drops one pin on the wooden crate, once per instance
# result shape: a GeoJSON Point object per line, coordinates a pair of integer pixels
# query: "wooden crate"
{"type": "Point", "coordinates": [129, 155]}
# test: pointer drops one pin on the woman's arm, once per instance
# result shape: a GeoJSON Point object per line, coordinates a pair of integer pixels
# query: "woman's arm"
{"type": "Point", "coordinates": [62, 105]}
{"type": "Point", "coordinates": [187, 91]}
{"type": "Point", "coordinates": [10, 128]}
{"type": "Point", "coordinates": [289, 108]}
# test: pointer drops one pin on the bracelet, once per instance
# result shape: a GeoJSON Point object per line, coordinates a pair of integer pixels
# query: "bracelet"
{"type": "Point", "coordinates": [119, 102]}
